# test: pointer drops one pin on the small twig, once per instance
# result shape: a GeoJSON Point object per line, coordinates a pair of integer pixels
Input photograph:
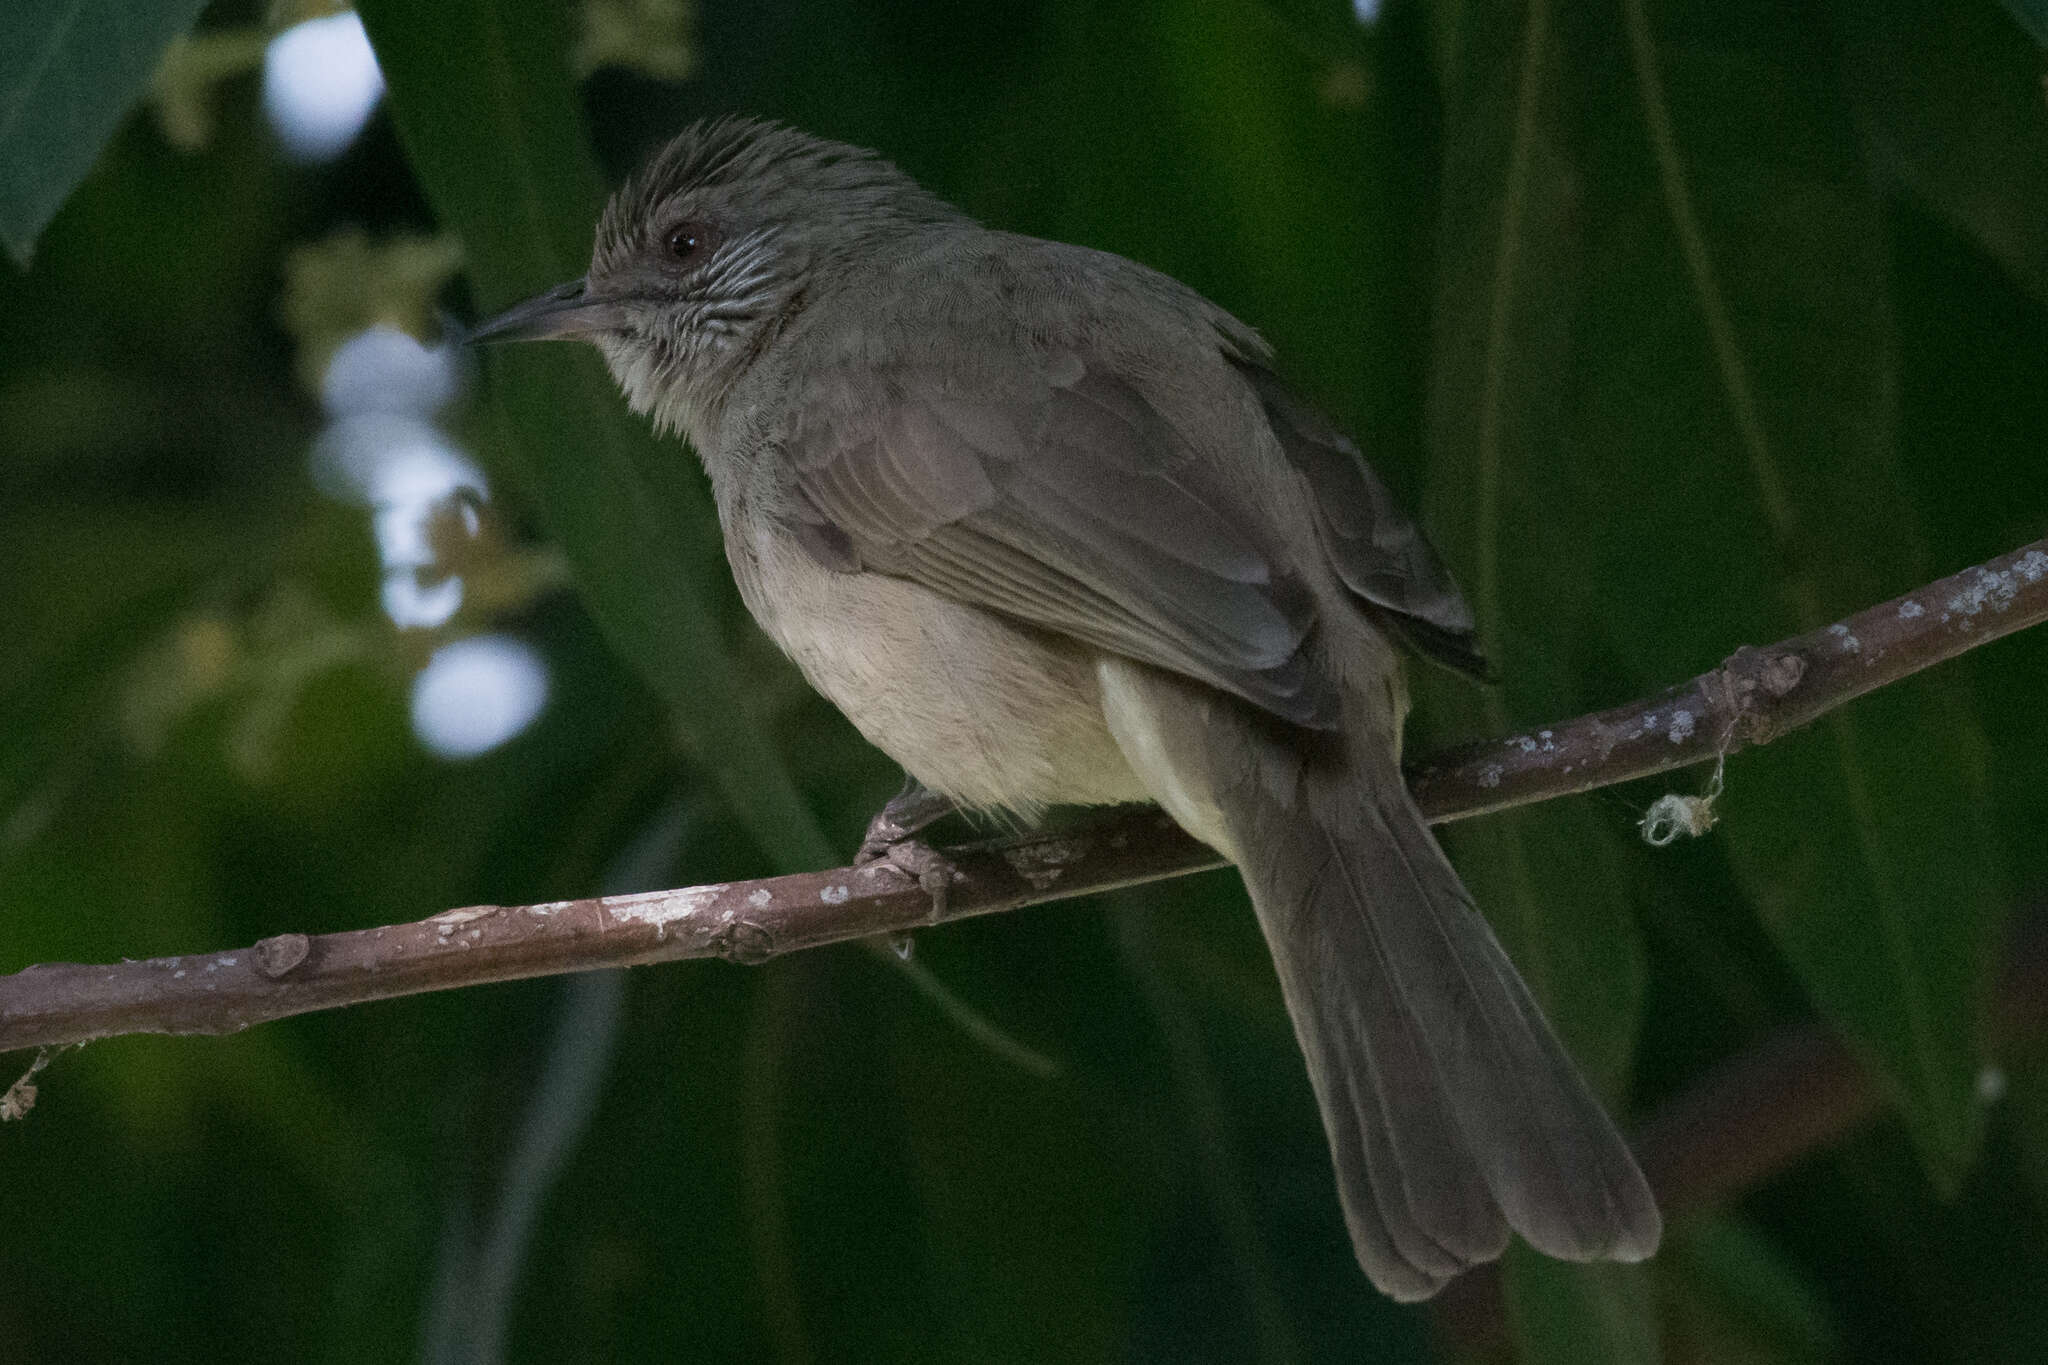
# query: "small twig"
{"type": "Point", "coordinates": [1755, 696]}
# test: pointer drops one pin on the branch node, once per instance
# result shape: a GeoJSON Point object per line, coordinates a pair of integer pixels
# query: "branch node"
{"type": "Point", "coordinates": [278, 955]}
{"type": "Point", "coordinates": [1045, 861]}
{"type": "Point", "coordinates": [746, 942]}
{"type": "Point", "coordinates": [1752, 682]}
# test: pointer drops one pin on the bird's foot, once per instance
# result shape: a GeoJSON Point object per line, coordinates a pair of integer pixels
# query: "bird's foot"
{"type": "Point", "coordinates": [918, 861]}
{"type": "Point", "coordinates": [892, 838]}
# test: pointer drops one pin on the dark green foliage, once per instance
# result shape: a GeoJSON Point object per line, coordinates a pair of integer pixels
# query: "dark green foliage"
{"type": "Point", "coordinates": [69, 69]}
{"type": "Point", "coordinates": [1686, 325]}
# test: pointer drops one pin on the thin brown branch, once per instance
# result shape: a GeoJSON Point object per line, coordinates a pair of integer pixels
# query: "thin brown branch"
{"type": "Point", "coordinates": [1753, 697]}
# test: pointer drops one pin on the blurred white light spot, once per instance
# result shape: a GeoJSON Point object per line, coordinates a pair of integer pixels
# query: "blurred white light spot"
{"type": "Point", "coordinates": [381, 369]}
{"type": "Point", "coordinates": [381, 449]}
{"type": "Point", "coordinates": [475, 694]}
{"type": "Point", "coordinates": [1368, 11]}
{"type": "Point", "coordinates": [380, 457]}
{"type": "Point", "coordinates": [320, 82]}
{"type": "Point", "coordinates": [412, 604]}
{"type": "Point", "coordinates": [406, 492]}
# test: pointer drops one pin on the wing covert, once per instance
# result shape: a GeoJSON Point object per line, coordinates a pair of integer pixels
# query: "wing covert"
{"type": "Point", "coordinates": [1377, 549]}
{"type": "Point", "coordinates": [1063, 499]}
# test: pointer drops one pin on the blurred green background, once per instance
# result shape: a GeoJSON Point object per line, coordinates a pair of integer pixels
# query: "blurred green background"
{"type": "Point", "coordinates": [1685, 324]}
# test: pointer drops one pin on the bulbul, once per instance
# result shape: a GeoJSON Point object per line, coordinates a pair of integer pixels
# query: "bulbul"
{"type": "Point", "coordinates": [1044, 524]}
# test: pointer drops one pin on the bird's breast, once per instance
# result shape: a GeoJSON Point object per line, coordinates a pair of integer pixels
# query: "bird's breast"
{"type": "Point", "coordinates": [992, 713]}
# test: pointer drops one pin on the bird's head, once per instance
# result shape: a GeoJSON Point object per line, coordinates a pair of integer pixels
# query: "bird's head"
{"type": "Point", "coordinates": [710, 250]}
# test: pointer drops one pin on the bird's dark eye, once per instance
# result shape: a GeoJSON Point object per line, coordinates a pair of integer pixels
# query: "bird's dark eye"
{"type": "Point", "coordinates": [687, 241]}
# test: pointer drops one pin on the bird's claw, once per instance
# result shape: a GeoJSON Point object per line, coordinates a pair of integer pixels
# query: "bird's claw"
{"type": "Point", "coordinates": [892, 838]}
{"type": "Point", "coordinates": [915, 859]}
{"type": "Point", "coordinates": [884, 835]}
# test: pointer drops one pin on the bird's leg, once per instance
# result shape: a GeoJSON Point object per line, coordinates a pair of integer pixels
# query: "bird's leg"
{"type": "Point", "coordinates": [892, 838]}
{"type": "Point", "coordinates": [914, 808]}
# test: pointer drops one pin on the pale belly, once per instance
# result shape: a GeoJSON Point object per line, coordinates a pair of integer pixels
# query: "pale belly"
{"type": "Point", "coordinates": [992, 714]}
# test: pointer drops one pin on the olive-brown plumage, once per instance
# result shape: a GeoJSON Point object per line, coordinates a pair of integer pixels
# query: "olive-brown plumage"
{"type": "Point", "coordinates": [1043, 523]}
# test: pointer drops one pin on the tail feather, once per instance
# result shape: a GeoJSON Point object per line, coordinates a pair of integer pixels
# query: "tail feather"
{"type": "Point", "coordinates": [1453, 1112]}
{"type": "Point", "coordinates": [1418, 1169]}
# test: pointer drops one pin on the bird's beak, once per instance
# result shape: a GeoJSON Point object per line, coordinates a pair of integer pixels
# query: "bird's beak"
{"type": "Point", "coordinates": [567, 310]}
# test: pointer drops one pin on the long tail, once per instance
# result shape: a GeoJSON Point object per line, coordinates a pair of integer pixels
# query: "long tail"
{"type": "Point", "coordinates": [1453, 1112]}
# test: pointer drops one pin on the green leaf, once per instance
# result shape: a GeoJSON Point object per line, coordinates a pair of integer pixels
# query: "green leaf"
{"type": "Point", "coordinates": [69, 71]}
{"type": "Point", "coordinates": [1564, 1314]}
{"type": "Point", "coordinates": [1508, 261]}
{"type": "Point", "coordinates": [1664, 360]}
{"type": "Point", "coordinates": [1274, 122]}
{"type": "Point", "coordinates": [1738, 373]}
{"type": "Point", "coordinates": [483, 98]}
{"type": "Point", "coordinates": [2032, 16]}
{"type": "Point", "coordinates": [1550, 877]}
{"type": "Point", "coordinates": [1951, 104]}
{"type": "Point", "coordinates": [1734, 1296]}
{"type": "Point", "coordinates": [1663, 295]}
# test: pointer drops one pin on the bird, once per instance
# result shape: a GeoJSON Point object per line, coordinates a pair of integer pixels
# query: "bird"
{"type": "Point", "coordinates": [1049, 529]}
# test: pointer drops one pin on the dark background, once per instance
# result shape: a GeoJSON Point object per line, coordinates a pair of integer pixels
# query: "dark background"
{"type": "Point", "coordinates": [1685, 325]}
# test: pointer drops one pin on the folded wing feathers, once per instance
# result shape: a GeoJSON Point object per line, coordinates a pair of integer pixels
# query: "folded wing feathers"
{"type": "Point", "coordinates": [1065, 504]}
{"type": "Point", "coordinates": [1377, 549]}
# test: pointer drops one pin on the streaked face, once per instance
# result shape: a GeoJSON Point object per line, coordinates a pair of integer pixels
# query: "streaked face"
{"type": "Point", "coordinates": [707, 248]}
{"type": "Point", "coordinates": [671, 293]}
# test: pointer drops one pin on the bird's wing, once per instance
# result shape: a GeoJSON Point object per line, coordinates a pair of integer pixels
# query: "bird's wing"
{"type": "Point", "coordinates": [1379, 552]}
{"type": "Point", "coordinates": [1059, 496]}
